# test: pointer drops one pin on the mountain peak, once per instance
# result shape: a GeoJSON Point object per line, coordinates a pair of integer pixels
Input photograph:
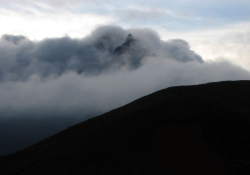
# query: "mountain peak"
{"type": "Point", "coordinates": [125, 46]}
{"type": "Point", "coordinates": [129, 38]}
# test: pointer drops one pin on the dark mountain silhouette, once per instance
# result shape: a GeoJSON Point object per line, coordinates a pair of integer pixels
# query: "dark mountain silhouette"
{"type": "Point", "coordinates": [130, 40]}
{"type": "Point", "coordinates": [133, 49]}
{"type": "Point", "coordinates": [201, 129]}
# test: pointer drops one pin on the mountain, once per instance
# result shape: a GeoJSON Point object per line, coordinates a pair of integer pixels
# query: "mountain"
{"type": "Point", "coordinates": [133, 50]}
{"type": "Point", "coordinates": [199, 129]}
{"type": "Point", "coordinates": [130, 40]}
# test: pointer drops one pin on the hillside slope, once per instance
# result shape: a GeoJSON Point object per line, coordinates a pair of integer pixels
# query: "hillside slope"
{"type": "Point", "coordinates": [202, 129]}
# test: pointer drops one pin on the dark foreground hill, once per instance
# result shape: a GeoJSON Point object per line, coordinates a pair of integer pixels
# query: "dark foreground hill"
{"type": "Point", "coordinates": [203, 129]}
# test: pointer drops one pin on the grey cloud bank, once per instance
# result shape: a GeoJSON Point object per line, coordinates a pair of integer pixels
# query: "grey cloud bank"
{"type": "Point", "coordinates": [94, 54]}
{"type": "Point", "coordinates": [58, 82]}
{"type": "Point", "coordinates": [61, 75]}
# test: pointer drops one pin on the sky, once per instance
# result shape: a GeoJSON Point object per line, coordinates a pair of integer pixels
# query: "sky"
{"type": "Point", "coordinates": [215, 29]}
{"type": "Point", "coordinates": [62, 62]}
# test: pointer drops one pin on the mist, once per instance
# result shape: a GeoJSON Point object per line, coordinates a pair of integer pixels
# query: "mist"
{"type": "Point", "coordinates": [49, 85]}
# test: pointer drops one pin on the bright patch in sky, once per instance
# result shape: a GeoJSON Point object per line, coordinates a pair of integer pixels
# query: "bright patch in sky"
{"type": "Point", "coordinates": [38, 25]}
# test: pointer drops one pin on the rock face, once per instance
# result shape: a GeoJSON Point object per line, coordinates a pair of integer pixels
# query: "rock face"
{"type": "Point", "coordinates": [130, 40]}
{"type": "Point", "coordinates": [202, 129]}
{"type": "Point", "coordinates": [133, 50]}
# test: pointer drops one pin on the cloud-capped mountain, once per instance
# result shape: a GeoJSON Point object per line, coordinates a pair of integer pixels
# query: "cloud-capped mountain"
{"type": "Point", "coordinates": [200, 129]}
{"type": "Point", "coordinates": [107, 49]}
{"type": "Point", "coordinates": [130, 41]}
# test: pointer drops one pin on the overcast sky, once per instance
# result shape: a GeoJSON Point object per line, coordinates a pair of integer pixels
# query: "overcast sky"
{"type": "Point", "coordinates": [215, 29]}
{"type": "Point", "coordinates": [75, 59]}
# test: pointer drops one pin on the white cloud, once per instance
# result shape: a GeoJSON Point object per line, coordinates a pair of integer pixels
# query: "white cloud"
{"type": "Point", "coordinates": [230, 42]}
{"type": "Point", "coordinates": [36, 24]}
{"type": "Point", "coordinates": [138, 13]}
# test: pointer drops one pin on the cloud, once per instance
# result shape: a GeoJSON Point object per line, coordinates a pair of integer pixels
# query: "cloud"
{"type": "Point", "coordinates": [152, 14]}
{"type": "Point", "coordinates": [51, 2]}
{"type": "Point", "coordinates": [92, 55]}
{"type": "Point", "coordinates": [136, 13]}
{"type": "Point", "coordinates": [13, 39]}
{"type": "Point", "coordinates": [32, 21]}
{"type": "Point", "coordinates": [109, 68]}
{"type": "Point", "coordinates": [57, 82]}
{"type": "Point", "coordinates": [224, 43]}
